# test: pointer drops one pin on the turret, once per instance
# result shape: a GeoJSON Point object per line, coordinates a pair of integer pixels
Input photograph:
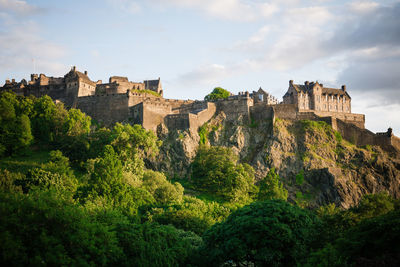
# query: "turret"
{"type": "Point", "coordinates": [34, 77]}
{"type": "Point", "coordinates": [344, 88]}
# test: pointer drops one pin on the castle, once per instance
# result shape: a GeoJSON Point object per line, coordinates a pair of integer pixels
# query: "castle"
{"type": "Point", "coordinates": [121, 100]}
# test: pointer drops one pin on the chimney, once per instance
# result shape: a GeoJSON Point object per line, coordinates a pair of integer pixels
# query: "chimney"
{"type": "Point", "coordinates": [321, 85]}
{"type": "Point", "coordinates": [344, 88]}
{"type": "Point", "coordinates": [12, 80]}
{"type": "Point", "coordinates": [73, 68]}
{"type": "Point", "coordinates": [291, 82]}
{"type": "Point", "coordinates": [7, 81]}
{"type": "Point", "coordinates": [307, 83]}
{"type": "Point", "coordinates": [85, 72]}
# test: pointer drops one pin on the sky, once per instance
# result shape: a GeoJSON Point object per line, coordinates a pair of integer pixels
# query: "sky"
{"type": "Point", "coordinates": [196, 45]}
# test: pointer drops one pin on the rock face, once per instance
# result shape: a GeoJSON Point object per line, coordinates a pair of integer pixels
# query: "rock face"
{"type": "Point", "coordinates": [316, 165]}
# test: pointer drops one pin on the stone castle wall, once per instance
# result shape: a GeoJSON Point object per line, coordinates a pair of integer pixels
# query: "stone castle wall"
{"type": "Point", "coordinates": [235, 107]}
{"type": "Point", "coordinates": [107, 109]}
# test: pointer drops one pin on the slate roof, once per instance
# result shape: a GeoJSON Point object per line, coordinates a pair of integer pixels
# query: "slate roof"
{"type": "Point", "coordinates": [329, 91]}
{"type": "Point", "coordinates": [151, 84]}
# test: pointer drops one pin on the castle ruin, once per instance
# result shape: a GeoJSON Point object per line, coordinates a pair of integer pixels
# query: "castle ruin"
{"type": "Point", "coordinates": [121, 100]}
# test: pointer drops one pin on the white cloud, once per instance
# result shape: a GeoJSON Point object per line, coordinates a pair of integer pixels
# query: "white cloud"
{"type": "Point", "coordinates": [204, 75]}
{"type": "Point", "coordinates": [22, 49]}
{"type": "Point", "coordinates": [235, 10]}
{"type": "Point", "coordinates": [363, 6]}
{"type": "Point", "coordinates": [18, 6]}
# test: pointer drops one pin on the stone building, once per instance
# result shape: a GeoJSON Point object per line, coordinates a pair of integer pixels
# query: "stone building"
{"type": "Point", "coordinates": [119, 85]}
{"type": "Point", "coordinates": [314, 96]}
{"type": "Point", "coordinates": [121, 100]}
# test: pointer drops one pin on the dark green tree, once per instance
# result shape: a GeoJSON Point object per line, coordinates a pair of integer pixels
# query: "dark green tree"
{"type": "Point", "coordinates": [270, 233]}
{"type": "Point", "coordinates": [15, 127]}
{"type": "Point", "coordinates": [216, 170]}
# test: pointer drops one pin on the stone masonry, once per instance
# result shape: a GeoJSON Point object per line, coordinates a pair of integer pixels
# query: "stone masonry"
{"type": "Point", "coordinates": [121, 100]}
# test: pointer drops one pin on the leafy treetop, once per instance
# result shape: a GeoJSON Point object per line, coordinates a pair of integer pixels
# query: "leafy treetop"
{"type": "Point", "coordinates": [218, 93]}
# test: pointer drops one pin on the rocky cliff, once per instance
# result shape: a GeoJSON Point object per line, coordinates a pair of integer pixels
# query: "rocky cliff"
{"type": "Point", "coordinates": [315, 163]}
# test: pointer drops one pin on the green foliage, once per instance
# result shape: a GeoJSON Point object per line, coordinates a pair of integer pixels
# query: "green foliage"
{"type": "Point", "coordinates": [300, 178]}
{"type": "Point", "coordinates": [336, 221]}
{"type": "Point", "coordinates": [318, 126]}
{"type": "Point", "coordinates": [372, 238]}
{"type": "Point", "coordinates": [271, 187]}
{"type": "Point", "coordinates": [338, 137]}
{"type": "Point", "coordinates": [192, 215]}
{"type": "Point", "coordinates": [77, 123]}
{"type": "Point", "coordinates": [132, 144]}
{"type": "Point", "coordinates": [374, 205]}
{"type": "Point", "coordinates": [217, 93]}
{"type": "Point", "coordinates": [163, 191]}
{"type": "Point", "coordinates": [156, 245]}
{"type": "Point", "coordinates": [270, 233]}
{"type": "Point", "coordinates": [15, 126]}
{"type": "Point", "coordinates": [146, 92]}
{"type": "Point", "coordinates": [45, 229]}
{"type": "Point", "coordinates": [216, 170]}
{"type": "Point", "coordinates": [203, 133]}
{"type": "Point", "coordinates": [47, 119]}
{"type": "Point", "coordinates": [9, 181]}
{"type": "Point", "coordinates": [370, 242]}
{"type": "Point", "coordinates": [253, 123]}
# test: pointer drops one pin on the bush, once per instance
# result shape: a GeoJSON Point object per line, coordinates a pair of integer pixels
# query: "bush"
{"type": "Point", "coordinates": [271, 187]}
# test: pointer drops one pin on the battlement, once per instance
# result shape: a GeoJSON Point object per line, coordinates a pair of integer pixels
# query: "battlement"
{"type": "Point", "coordinates": [121, 100]}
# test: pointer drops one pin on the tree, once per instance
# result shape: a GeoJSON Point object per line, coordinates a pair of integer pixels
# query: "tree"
{"type": "Point", "coordinates": [133, 144]}
{"type": "Point", "coordinates": [270, 233]}
{"type": "Point", "coordinates": [271, 187]}
{"type": "Point", "coordinates": [216, 170]}
{"type": "Point", "coordinates": [15, 127]}
{"type": "Point", "coordinates": [192, 214]}
{"type": "Point", "coordinates": [218, 93]}
{"type": "Point", "coordinates": [162, 190]}
{"type": "Point", "coordinates": [151, 244]}
{"type": "Point", "coordinates": [44, 228]}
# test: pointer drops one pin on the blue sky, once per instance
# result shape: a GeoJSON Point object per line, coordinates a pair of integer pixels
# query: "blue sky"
{"type": "Point", "coordinates": [196, 45]}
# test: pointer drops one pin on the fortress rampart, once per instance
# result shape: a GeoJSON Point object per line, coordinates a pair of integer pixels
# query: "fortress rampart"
{"type": "Point", "coordinates": [121, 100]}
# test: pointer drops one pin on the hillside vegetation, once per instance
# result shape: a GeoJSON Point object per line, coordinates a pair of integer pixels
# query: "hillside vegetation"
{"type": "Point", "coordinates": [74, 193]}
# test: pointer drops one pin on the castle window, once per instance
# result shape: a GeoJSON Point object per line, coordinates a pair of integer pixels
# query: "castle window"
{"type": "Point", "coordinates": [326, 97]}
